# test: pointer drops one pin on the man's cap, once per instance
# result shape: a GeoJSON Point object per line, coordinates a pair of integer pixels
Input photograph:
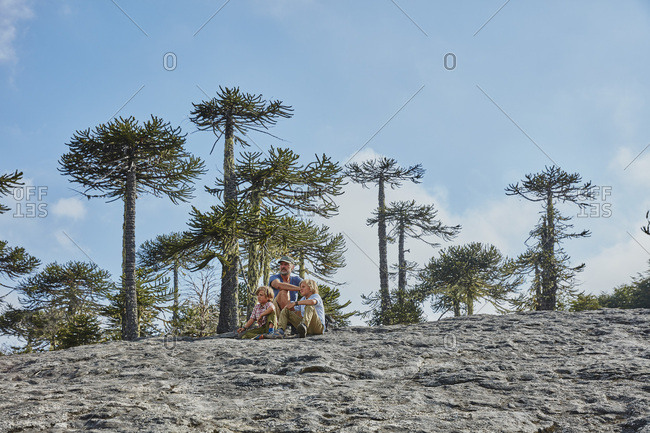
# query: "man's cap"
{"type": "Point", "coordinates": [286, 259]}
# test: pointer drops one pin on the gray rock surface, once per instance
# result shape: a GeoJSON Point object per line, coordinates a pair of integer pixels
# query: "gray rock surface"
{"type": "Point", "coordinates": [528, 372]}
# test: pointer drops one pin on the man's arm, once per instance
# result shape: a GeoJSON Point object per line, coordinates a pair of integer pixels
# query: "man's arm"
{"type": "Point", "coordinates": [280, 285]}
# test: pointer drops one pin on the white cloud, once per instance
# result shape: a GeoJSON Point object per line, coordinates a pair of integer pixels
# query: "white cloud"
{"type": "Point", "coordinates": [634, 163]}
{"type": "Point", "coordinates": [69, 207]}
{"type": "Point", "coordinates": [615, 265]}
{"type": "Point", "coordinates": [11, 11]}
{"type": "Point", "coordinates": [63, 240]}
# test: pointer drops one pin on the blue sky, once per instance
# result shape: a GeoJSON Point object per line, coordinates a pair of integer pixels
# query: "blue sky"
{"type": "Point", "coordinates": [536, 84]}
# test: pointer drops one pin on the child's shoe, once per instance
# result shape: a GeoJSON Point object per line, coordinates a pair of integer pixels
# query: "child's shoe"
{"type": "Point", "coordinates": [278, 333]}
{"type": "Point", "coordinates": [259, 337]}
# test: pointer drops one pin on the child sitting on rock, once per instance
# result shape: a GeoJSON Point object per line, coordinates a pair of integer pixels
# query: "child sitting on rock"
{"type": "Point", "coordinates": [309, 315]}
{"type": "Point", "coordinates": [263, 313]}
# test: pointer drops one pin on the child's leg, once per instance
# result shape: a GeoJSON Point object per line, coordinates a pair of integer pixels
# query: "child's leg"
{"type": "Point", "coordinates": [311, 321]}
{"type": "Point", "coordinates": [288, 316]}
{"type": "Point", "coordinates": [278, 310]}
{"type": "Point", "coordinates": [284, 319]}
{"type": "Point", "coordinates": [272, 318]}
{"type": "Point", "coordinates": [294, 319]}
{"type": "Point", "coordinates": [252, 333]}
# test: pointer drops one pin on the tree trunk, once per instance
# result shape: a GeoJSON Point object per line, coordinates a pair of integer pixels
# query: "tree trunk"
{"type": "Point", "coordinates": [265, 262]}
{"type": "Point", "coordinates": [253, 271]}
{"type": "Point", "coordinates": [549, 271]}
{"type": "Point", "coordinates": [538, 288]}
{"type": "Point", "coordinates": [175, 307]}
{"type": "Point", "coordinates": [401, 273]}
{"type": "Point", "coordinates": [131, 329]}
{"type": "Point", "coordinates": [302, 272]}
{"type": "Point", "coordinates": [383, 259]}
{"type": "Point", "coordinates": [228, 316]}
{"type": "Point", "coordinates": [456, 305]}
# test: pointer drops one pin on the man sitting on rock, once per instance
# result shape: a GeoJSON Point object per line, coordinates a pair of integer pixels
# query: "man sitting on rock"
{"type": "Point", "coordinates": [309, 315]}
{"type": "Point", "coordinates": [285, 286]}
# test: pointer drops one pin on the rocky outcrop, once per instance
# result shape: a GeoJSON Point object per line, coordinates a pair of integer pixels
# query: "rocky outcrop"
{"type": "Point", "coordinates": [528, 372]}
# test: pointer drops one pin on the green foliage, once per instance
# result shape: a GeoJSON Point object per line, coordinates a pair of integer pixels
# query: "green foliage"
{"type": "Point", "coordinates": [8, 182]}
{"type": "Point", "coordinates": [101, 159]}
{"type": "Point", "coordinates": [410, 220]}
{"type": "Point", "coordinates": [626, 296]}
{"type": "Point", "coordinates": [75, 287]}
{"type": "Point", "coordinates": [405, 308]}
{"type": "Point", "coordinates": [166, 254]}
{"type": "Point", "coordinates": [197, 320]}
{"type": "Point", "coordinates": [15, 262]}
{"type": "Point", "coordinates": [281, 181]}
{"type": "Point", "coordinates": [383, 171]}
{"type": "Point", "coordinates": [80, 329]}
{"type": "Point", "coordinates": [244, 112]}
{"type": "Point", "coordinates": [415, 221]}
{"type": "Point", "coordinates": [54, 303]}
{"type": "Point", "coordinates": [38, 329]}
{"type": "Point", "coordinates": [584, 302]}
{"type": "Point", "coordinates": [152, 294]}
{"type": "Point", "coordinates": [317, 252]}
{"type": "Point", "coordinates": [635, 295]}
{"type": "Point", "coordinates": [232, 114]}
{"type": "Point", "coordinates": [333, 308]}
{"type": "Point", "coordinates": [464, 274]}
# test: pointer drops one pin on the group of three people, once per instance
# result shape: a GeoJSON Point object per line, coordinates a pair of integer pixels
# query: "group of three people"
{"type": "Point", "coordinates": [278, 306]}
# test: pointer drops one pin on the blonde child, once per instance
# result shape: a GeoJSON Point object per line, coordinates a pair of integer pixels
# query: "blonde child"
{"type": "Point", "coordinates": [263, 314]}
{"type": "Point", "coordinates": [309, 315]}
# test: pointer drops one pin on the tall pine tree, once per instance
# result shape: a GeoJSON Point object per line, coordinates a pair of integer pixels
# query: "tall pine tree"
{"type": "Point", "coordinates": [121, 159]}
{"type": "Point", "coordinates": [550, 187]}
{"type": "Point", "coordinates": [233, 114]}
{"type": "Point", "coordinates": [381, 172]}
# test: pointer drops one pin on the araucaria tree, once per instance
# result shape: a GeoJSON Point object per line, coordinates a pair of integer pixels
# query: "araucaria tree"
{"type": "Point", "coordinates": [414, 221]}
{"type": "Point", "coordinates": [60, 306]}
{"type": "Point", "coordinates": [119, 160]}
{"type": "Point", "coordinates": [163, 254]}
{"type": "Point", "coordinates": [381, 172]}
{"type": "Point", "coordinates": [463, 274]}
{"type": "Point", "coordinates": [14, 261]}
{"type": "Point", "coordinates": [546, 258]}
{"type": "Point", "coordinates": [275, 187]}
{"type": "Point", "coordinates": [233, 114]}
